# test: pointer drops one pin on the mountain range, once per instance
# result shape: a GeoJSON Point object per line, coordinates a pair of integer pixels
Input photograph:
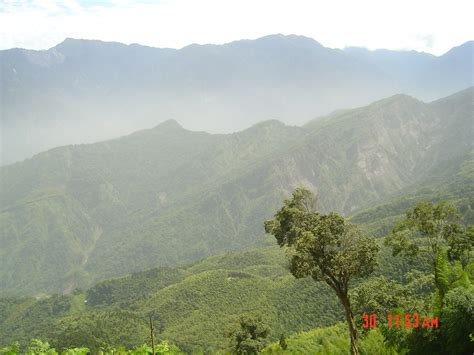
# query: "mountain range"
{"type": "Point", "coordinates": [85, 90]}
{"type": "Point", "coordinates": [79, 214]}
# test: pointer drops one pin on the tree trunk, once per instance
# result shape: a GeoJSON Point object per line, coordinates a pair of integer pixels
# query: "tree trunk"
{"type": "Point", "coordinates": [350, 322]}
{"type": "Point", "coordinates": [152, 336]}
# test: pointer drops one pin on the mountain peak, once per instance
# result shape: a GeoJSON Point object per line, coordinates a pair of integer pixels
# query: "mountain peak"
{"type": "Point", "coordinates": [269, 123]}
{"type": "Point", "coordinates": [293, 40]}
{"type": "Point", "coordinates": [277, 40]}
{"type": "Point", "coordinates": [170, 125]}
{"type": "Point", "coordinates": [397, 98]}
{"type": "Point", "coordinates": [466, 95]}
{"type": "Point", "coordinates": [68, 41]}
{"type": "Point", "coordinates": [466, 49]}
{"type": "Point", "coordinates": [73, 45]}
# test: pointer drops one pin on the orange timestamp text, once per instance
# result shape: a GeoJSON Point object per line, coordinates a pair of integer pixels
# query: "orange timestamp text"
{"type": "Point", "coordinates": [401, 321]}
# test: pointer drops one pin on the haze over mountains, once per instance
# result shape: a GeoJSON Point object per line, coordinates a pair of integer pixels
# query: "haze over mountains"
{"type": "Point", "coordinates": [78, 214]}
{"type": "Point", "coordinates": [83, 91]}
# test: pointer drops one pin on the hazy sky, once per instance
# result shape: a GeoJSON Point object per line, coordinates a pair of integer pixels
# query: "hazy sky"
{"type": "Point", "coordinates": [431, 26]}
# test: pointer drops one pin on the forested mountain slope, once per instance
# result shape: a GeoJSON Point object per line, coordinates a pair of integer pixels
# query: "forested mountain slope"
{"type": "Point", "coordinates": [78, 214]}
{"type": "Point", "coordinates": [194, 306]}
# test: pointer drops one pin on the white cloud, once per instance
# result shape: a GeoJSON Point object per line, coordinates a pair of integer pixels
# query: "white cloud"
{"type": "Point", "coordinates": [432, 26]}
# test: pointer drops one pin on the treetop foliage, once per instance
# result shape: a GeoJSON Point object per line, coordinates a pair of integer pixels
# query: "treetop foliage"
{"type": "Point", "coordinates": [323, 246]}
{"type": "Point", "coordinates": [252, 335]}
{"type": "Point", "coordinates": [428, 228]}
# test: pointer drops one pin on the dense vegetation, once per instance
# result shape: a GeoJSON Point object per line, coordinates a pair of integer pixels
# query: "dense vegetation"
{"type": "Point", "coordinates": [195, 306]}
{"type": "Point", "coordinates": [199, 307]}
{"type": "Point", "coordinates": [330, 340]}
{"type": "Point", "coordinates": [96, 211]}
{"type": "Point", "coordinates": [325, 247]}
{"type": "Point", "coordinates": [76, 215]}
{"type": "Point", "coordinates": [38, 347]}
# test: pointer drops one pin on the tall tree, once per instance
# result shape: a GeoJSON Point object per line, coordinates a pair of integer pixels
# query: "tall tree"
{"type": "Point", "coordinates": [428, 228]}
{"type": "Point", "coordinates": [152, 334]}
{"type": "Point", "coordinates": [325, 247]}
{"type": "Point", "coordinates": [435, 231]}
{"type": "Point", "coordinates": [251, 337]}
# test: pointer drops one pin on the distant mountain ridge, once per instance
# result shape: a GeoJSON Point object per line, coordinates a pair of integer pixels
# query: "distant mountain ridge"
{"type": "Point", "coordinates": [84, 90]}
{"type": "Point", "coordinates": [78, 214]}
